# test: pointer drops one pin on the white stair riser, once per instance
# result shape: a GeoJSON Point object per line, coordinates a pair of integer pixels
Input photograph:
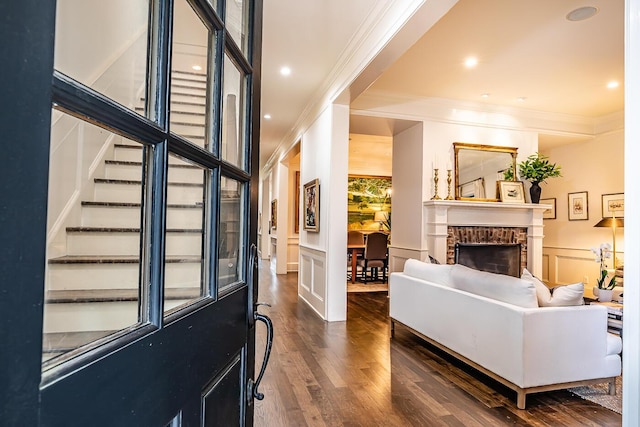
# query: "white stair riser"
{"type": "Point", "coordinates": [184, 117]}
{"type": "Point", "coordinates": [186, 106]}
{"type": "Point", "coordinates": [67, 277]}
{"type": "Point", "coordinates": [130, 193]}
{"type": "Point", "coordinates": [127, 154]}
{"type": "Point", "coordinates": [129, 217]}
{"type": "Point", "coordinates": [83, 317]}
{"type": "Point", "coordinates": [134, 172]}
{"type": "Point", "coordinates": [195, 131]}
{"type": "Point", "coordinates": [94, 316]}
{"type": "Point", "coordinates": [186, 91]}
{"type": "Point", "coordinates": [121, 244]}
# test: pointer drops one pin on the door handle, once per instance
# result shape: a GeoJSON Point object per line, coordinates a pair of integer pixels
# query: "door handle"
{"type": "Point", "coordinates": [253, 387]}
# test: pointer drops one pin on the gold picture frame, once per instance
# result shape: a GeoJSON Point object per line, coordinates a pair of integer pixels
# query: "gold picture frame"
{"type": "Point", "coordinates": [551, 212]}
{"type": "Point", "coordinates": [312, 206]}
{"type": "Point", "coordinates": [613, 203]}
{"type": "Point", "coordinates": [274, 214]}
{"type": "Point", "coordinates": [511, 191]}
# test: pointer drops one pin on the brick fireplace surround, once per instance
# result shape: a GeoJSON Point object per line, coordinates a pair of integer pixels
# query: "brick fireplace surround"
{"type": "Point", "coordinates": [448, 221]}
{"type": "Point", "coordinates": [489, 236]}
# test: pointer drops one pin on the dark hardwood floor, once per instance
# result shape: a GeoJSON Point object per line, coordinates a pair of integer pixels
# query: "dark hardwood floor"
{"type": "Point", "coordinates": [351, 374]}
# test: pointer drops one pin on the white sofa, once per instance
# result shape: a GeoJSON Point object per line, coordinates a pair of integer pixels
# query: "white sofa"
{"type": "Point", "coordinates": [493, 323]}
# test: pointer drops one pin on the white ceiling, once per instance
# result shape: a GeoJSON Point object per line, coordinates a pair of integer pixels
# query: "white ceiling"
{"type": "Point", "coordinates": [525, 48]}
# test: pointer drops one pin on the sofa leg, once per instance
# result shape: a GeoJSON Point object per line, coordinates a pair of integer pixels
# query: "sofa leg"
{"type": "Point", "coordinates": [522, 400]}
{"type": "Point", "coordinates": [612, 387]}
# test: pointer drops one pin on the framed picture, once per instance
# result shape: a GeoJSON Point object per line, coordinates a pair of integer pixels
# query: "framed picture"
{"type": "Point", "coordinates": [511, 191]}
{"type": "Point", "coordinates": [613, 205]}
{"type": "Point", "coordinates": [296, 224]}
{"type": "Point", "coordinates": [274, 214]}
{"type": "Point", "coordinates": [367, 195]}
{"type": "Point", "coordinates": [551, 212]}
{"type": "Point", "coordinates": [578, 206]}
{"type": "Point", "coordinates": [312, 206]}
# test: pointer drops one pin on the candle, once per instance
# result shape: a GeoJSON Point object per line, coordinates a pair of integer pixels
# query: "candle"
{"type": "Point", "coordinates": [449, 164]}
{"type": "Point", "coordinates": [435, 161]}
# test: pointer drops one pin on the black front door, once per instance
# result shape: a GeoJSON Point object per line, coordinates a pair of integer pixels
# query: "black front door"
{"type": "Point", "coordinates": [128, 211]}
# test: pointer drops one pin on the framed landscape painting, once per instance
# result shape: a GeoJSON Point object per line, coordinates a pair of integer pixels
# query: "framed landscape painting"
{"type": "Point", "coordinates": [367, 195]}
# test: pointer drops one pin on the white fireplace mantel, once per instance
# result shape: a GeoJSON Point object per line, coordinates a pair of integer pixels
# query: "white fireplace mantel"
{"type": "Point", "coordinates": [441, 214]}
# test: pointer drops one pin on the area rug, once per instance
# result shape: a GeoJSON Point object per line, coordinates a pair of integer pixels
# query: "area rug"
{"type": "Point", "coordinates": [368, 287]}
{"type": "Point", "coordinates": [598, 393]}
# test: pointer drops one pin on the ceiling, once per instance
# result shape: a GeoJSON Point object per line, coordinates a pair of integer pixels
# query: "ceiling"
{"type": "Point", "coordinates": [529, 57]}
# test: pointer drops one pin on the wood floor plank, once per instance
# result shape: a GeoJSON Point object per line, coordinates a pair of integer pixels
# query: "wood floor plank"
{"type": "Point", "coordinates": [351, 374]}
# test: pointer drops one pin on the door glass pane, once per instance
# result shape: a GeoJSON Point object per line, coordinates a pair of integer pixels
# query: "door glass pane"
{"type": "Point", "coordinates": [189, 75]}
{"type": "Point", "coordinates": [231, 233]}
{"type": "Point", "coordinates": [93, 243]}
{"type": "Point", "coordinates": [103, 44]}
{"type": "Point", "coordinates": [233, 114]}
{"type": "Point", "coordinates": [184, 238]}
{"type": "Point", "coordinates": [236, 22]}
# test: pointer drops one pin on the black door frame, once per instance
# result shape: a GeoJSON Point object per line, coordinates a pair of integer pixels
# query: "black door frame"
{"type": "Point", "coordinates": [27, 32]}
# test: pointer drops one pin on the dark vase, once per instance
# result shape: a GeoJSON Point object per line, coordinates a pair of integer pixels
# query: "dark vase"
{"type": "Point", "coordinates": [535, 192]}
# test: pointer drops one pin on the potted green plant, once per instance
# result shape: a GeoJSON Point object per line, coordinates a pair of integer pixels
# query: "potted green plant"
{"type": "Point", "coordinates": [536, 169]}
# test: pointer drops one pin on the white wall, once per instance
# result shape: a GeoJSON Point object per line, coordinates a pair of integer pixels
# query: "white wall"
{"type": "Point", "coordinates": [595, 166]}
{"type": "Point", "coordinates": [324, 156]}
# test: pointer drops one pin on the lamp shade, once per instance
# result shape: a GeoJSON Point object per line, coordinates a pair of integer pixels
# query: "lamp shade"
{"type": "Point", "coordinates": [610, 222]}
{"type": "Point", "coordinates": [380, 216]}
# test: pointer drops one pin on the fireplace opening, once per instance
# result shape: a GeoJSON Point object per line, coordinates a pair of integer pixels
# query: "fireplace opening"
{"type": "Point", "coordinates": [501, 259]}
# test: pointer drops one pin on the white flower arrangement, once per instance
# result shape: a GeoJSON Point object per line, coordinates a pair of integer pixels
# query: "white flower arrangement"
{"type": "Point", "coordinates": [602, 253]}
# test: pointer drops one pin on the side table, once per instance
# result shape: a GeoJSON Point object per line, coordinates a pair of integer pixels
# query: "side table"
{"type": "Point", "coordinates": [614, 319]}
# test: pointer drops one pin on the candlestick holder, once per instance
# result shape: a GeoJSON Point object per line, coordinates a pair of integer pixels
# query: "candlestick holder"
{"type": "Point", "coordinates": [435, 181]}
{"type": "Point", "coordinates": [449, 197]}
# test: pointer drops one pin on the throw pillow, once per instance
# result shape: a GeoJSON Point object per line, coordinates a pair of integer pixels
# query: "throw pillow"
{"type": "Point", "coordinates": [435, 273]}
{"type": "Point", "coordinates": [432, 260]}
{"type": "Point", "coordinates": [557, 297]}
{"type": "Point", "coordinates": [512, 290]}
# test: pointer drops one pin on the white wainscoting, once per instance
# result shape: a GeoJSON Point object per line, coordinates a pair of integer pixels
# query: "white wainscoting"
{"type": "Point", "coordinates": [569, 265]}
{"type": "Point", "coordinates": [398, 256]}
{"type": "Point", "coordinates": [312, 283]}
{"type": "Point", "coordinates": [293, 253]}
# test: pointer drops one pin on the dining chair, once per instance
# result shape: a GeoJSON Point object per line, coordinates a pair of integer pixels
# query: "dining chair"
{"type": "Point", "coordinates": [375, 257]}
{"type": "Point", "coordinates": [354, 238]}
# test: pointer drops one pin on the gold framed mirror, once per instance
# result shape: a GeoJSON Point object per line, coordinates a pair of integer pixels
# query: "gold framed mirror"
{"type": "Point", "coordinates": [478, 168]}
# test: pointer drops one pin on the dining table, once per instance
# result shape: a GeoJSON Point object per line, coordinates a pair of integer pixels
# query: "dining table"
{"type": "Point", "coordinates": [354, 250]}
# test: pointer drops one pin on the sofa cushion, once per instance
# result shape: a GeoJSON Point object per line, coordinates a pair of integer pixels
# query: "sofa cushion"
{"type": "Point", "coordinates": [561, 295]}
{"type": "Point", "coordinates": [512, 290]}
{"type": "Point", "coordinates": [614, 344]}
{"type": "Point", "coordinates": [435, 273]}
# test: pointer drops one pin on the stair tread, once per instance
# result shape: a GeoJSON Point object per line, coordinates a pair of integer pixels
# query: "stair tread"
{"type": "Point", "coordinates": [137, 182]}
{"type": "Point", "coordinates": [126, 230]}
{"type": "Point", "coordinates": [113, 295]}
{"type": "Point", "coordinates": [133, 163]}
{"type": "Point", "coordinates": [138, 205]}
{"type": "Point", "coordinates": [117, 259]}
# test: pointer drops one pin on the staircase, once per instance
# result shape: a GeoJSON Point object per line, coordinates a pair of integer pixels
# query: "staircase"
{"type": "Point", "coordinates": [93, 290]}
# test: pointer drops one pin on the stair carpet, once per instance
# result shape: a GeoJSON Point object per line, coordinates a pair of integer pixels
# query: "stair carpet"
{"type": "Point", "coordinates": [93, 290]}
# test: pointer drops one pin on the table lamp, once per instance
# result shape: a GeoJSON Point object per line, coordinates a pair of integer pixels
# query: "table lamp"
{"type": "Point", "coordinates": [380, 217]}
{"type": "Point", "coordinates": [613, 223]}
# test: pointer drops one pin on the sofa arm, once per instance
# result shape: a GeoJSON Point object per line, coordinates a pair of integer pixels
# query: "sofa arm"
{"type": "Point", "coordinates": [564, 344]}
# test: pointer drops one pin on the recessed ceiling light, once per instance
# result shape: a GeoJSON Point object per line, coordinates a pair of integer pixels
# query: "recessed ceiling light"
{"type": "Point", "coordinates": [613, 84]}
{"type": "Point", "coordinates": [485, 95]}
{"type": "Point", "coordinates": [582, 13]}
{"type": "Point", "coordinates": [521, 98]}
{"type": "Point", "coordinates": [471, 62]}
{"type": "Point", "coordinates": [267, 116]}
{"type": "Point", "coordinates": [285, 71]}
{"type": "Point", "coordinates": [197, 67]}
